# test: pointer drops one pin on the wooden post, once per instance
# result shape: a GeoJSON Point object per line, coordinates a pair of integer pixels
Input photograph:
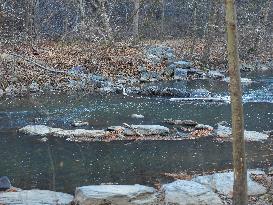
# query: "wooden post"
{"type": "Point", "coordinates": [239, 160]}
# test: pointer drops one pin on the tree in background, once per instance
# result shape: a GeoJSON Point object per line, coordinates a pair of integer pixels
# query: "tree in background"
{"type": "Point", "coordinates": [239, 161]}
{"type": "Point", "coordinates": [136, 19]}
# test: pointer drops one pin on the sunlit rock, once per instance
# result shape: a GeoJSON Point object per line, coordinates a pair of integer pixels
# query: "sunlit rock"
{"type": "Point", "coordinates": [40, 130]}
{"type": "Point", "coordinates": [146, 130]}
{"type": "Point", "coordinates": [223, 183]}
{"type": "Point", "coordinates": [35, 197]}
{"type": "Point", "coordinates": [182, 192]}
{"type": "Point", "coordinates": [115, 195]}
{"type": "Point", "coordinates": [226, 132]}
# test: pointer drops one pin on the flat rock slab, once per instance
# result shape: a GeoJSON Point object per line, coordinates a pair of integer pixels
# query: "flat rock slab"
{"type": "Point", "coordinates": [40, 130]}
{"type": "Point", "coordinates": [35, 197]}
{"type": "Point", "coordinates": [183, 192]}
{"type": "Point", "coordinates": [225, 132]}
{"type": "Point", "coordinates": [79, 133]}
{"type": "Point", "coordinates": [115, 195]}
{"type": "Point", "coordinates": [223, 183]}
{"type": "Point", "coordinates": [146, 130]}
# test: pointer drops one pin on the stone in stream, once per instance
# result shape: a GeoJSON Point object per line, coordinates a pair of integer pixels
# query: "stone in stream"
{"type": "Point", "coordinates": [1, 92]}
{"type": "Point", "coordinates": [115, 129]}
{"type": "Point", "coordinates": [4, 183]}
{"type": "Point", "coordinates": [189, 123]}
{"type": "Point", "coordinates": [40, 130]}
{"type": "Point", "coordinates": [215, 75]}
{"type": "Point", "coordinates": [180, 73]}
{"type": "Point", "coordinates": [156, 54]}
{"type": "Point", "coordinates": [226, 132]}
{"type": "Point", "coordinates": [244, 81]}
{"type": "Point", "coordinates": [80, 123]}
{"type": "Point", "coordinates": [183, 192]}
{"type": "Point", "coordinates": [182, 64]}
{"type": "Point", "coordinates": [146, 130]}
{"type": "Point", "coordinates": [203, 127]}
{"type": "Point", "coordinates": [137, 116]}
{"type": "Point", "coordinates": [223, 183]}
{"type": "Point", "coordinates": [201, 93]}
{"type": "Point", "coordinates": [157, 91]}
{"type": "Point", "coordinates": [115, 195]}
{"type": "Point", "coordinates": [35, 197]}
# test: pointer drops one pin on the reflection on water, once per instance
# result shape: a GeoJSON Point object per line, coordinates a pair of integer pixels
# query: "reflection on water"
{"type": "Point", "coordinates": [28, 162]}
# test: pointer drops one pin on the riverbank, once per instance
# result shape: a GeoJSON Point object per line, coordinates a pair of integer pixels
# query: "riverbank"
{"type": "Point", "coordinates": [119, 69]}
{"type": "Point", "coordinates": [215, 188]}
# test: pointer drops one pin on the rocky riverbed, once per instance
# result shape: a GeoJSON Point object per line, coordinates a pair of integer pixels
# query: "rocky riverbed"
{"type": "Point", "coordinates": [207, 189]}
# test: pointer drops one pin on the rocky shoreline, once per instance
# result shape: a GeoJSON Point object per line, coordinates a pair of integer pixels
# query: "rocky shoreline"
{"type": "Point", "coordinates": [155, 63]}
{"type": "Point", "coordinates": [210, 189]}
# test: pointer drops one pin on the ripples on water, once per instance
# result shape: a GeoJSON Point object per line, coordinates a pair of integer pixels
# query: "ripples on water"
{"type": "Point", "coordinates": [28, 162]}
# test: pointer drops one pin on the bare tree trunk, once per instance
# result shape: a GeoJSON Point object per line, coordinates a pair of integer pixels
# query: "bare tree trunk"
{"type": "Point", "coordinates": [194, 32]}
{"type": "Point", "coordinates": [82, 12]}
{"type": "Point", "coordinates": [163, 19]}
{"type": "Point", "coordinates": [105, 20]}
{"type": "Point", "coordinates": [209, 34]}
{"type": "Point", "coordinates": [239, 159]}
{"type": "Point", "coordinates": [136, 19]}
{"type": "Point", "coordinates": [262, 26]}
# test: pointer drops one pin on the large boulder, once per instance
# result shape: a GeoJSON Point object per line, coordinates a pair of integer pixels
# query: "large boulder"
{"type": "Point", "coordinates": [115, 195]}
{"type": "Point", "coordinates": [180, 73]}
{"type": "Point", "coordinates": [226, 132]}
{"type": "Point", "coordinates": [146, 130]}
{"type": "Point", "coordinates": [40, 130]}
{"type": "Point", "coordinates": [157, 91]}
{"type": "Point", "coordinates": [35, 197]}
{"type": "Point", "coordinates": [183, 192]}
{"type": "Point", "coordinates": [156, 54]}
{"type": "Point", "coordinates": [4, 183]}
{"type": "Point", "coordinates": [223, 183]}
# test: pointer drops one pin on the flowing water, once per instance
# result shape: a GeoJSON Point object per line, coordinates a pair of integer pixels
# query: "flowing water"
{"type": "Point", "coordinates": [62, 166]}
